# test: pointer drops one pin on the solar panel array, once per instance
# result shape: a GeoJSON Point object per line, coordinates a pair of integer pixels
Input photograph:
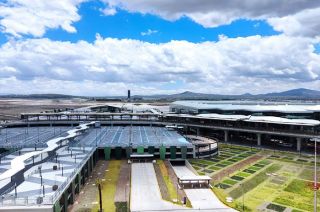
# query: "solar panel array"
{"type": "Point", "coordinates": [122, 136]}
{"type": "Point", "coordinates": [134, 136]}
{"type": "Point", "coordinates": [29, 136]}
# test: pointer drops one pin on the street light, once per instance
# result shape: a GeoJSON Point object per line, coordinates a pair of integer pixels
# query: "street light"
{"type": "Point", "coordinates": [241, 184]}
{"type": "Point", "coordinates": [316, 140]}
{"type": "Point", "coordinates": [96, 137]}
{"type": "Point", "coordinates": [99, 185]}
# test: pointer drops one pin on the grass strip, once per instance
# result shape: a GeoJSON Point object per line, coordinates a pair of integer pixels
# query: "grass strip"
{"type": "Point", "coordinates": [109, 186]}
{"type": "Point", "coordinates": [172, 190]}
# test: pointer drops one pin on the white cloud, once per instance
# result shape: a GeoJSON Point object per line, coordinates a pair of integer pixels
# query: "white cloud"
{"type": "Point", "coordinates": [34, 17]}
{"type": "Point", "coordinates": [109, 11]}
{"type": "Point", "coordinates": [87, 87]}
{"type": "Point", "coordinates": [304, 23]}
{"type": "Point", "coordinates": [149, 32]}
{"type": "Point", "coordinates": [212, 13]}
{"type": "Point", "coordinates": [251, 64]}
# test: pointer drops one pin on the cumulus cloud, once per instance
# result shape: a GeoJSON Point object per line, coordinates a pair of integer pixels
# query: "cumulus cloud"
{"type": "Point", "coordinates": [225, 65]}
{"type": "Point", "coordinates": [86, 87]}
{"type": "Point", "coordinates": [304, 23]}
{"type": "Point", "coordinates": [33, 17]}
{"type": "Point", "coordinates": [212, 13]}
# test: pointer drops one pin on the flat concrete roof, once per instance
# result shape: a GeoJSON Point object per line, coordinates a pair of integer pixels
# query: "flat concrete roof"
{"type": "Point", "coordinates": [88, 114]}
{"type": "Point", "coordinates": [261, 119]}
{"type": "Point", "coordinates": [141, 155]}
{"type": "Point", "coordinates": [282, 107]}
{"type": "Point", "coordinates": [194, 177]}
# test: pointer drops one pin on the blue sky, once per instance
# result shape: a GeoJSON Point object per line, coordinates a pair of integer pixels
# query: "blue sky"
{"type": "Point", "coordinates": [157, 48]}
{"type": "Point", "coordinates": [125, 25]}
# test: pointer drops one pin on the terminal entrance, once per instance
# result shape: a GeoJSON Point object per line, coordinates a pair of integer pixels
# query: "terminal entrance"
{"type": "Point", "coordinates": [141, 158]}
{"type": "Point", "coordinates": [162, 152]}
{"type": "Point", "coordinates": [187, 179]}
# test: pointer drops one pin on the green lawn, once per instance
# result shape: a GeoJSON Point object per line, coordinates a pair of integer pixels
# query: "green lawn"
{"type": "Point", "coordinates": [243, 174]}
{"type": "Point", "coordinates": [298, 194]}
{"type": "Point", "coordinates": [109, 186]}
{"type": "Point", "coordinates": [230, 182]}
{"type": "Point", "coordinates": [169, 184]}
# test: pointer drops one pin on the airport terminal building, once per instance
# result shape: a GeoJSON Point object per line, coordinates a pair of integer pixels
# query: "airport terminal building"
{"type": "Point", "coordinates": [289, 110]}
{"type": "Point", "coordinates": [54, 153]}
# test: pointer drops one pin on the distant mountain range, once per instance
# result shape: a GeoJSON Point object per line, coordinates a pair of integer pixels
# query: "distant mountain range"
{"type": "Point", "coordinates": [37, 96]}
{"type": "Point", "coordinates": [295, 94]}
{"type": "Point", "coordinates": [300, 93]}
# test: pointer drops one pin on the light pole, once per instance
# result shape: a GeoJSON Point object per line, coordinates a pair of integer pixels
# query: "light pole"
{"type": "Point", "coordinates": [242, 197]}
{"type": "Point", "coordinates": [96, 138]}
{"type": "Point", "coordinates": [315, 173]}
{"type": "Point", "coordinates": [38, 134]}
{"type": "Point", "coordinates": [98, 184]}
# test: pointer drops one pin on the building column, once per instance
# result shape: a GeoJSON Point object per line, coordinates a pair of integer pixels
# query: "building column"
{"type": "Point", "coordinates": [198, 131]}
{"type": "Point", "coordinates": [73, 193]}
{"type": "Point", "coordinates": [299, 144]}
{"type": "Point", "coordinates": [226, 136]}
{"type": "Point", "coordinates": [91, 161]}
{"type": "Point", "coordinates": [259, 139]}
{"type": "Point", "coordinates": [65, 197]}
{"type": "Point", "coordinates": [194, 151]}
{"type": "Point", "coordinates": [89, 167]}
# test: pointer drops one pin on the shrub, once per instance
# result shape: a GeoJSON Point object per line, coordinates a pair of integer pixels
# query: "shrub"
{"type": "Point", "coordinates": [121, 206]}
{"type": "Point", "coordinates": [275, 207]}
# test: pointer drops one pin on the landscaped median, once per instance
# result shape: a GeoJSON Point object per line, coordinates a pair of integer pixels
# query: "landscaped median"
{"type": "Point", "coordinates": [168, 189]}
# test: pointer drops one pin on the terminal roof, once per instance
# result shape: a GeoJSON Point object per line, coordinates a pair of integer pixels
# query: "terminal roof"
{"type": "Point", "coordinates": [261, 119]}
{"type": "Point", "coordinates": [283, 107]}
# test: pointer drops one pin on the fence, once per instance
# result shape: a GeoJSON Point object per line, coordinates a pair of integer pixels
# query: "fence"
{"type": "Point", "coordinates": [12, 200]}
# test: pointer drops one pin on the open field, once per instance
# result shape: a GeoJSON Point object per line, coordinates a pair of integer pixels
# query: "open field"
{"type": "Point", "coordinates": [277, 181]}
{"type": "Point", "coordinates": [11, 108]}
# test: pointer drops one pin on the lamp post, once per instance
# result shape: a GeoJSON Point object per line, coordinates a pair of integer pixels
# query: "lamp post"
{"type": "Point", "coordinates": [98, 184]}
{"type": "Point", "coordinates": [242, 197]}
{"type": "Point", "coordinates": [38, 134]}
{"type": "Point", "coordinates": [96, 138]}
{"type": "Point", "coordinates": [6, 135]}
{"type": "Point", "coordinates": [316, 140]}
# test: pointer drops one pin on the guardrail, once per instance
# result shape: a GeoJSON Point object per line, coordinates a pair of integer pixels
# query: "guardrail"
{"type": "Point", "coordinates": [64, 185]}
{"type": "Point", "coordinates": [19, 201]}
{"type": "Point", "coordinates": [12, 200]}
